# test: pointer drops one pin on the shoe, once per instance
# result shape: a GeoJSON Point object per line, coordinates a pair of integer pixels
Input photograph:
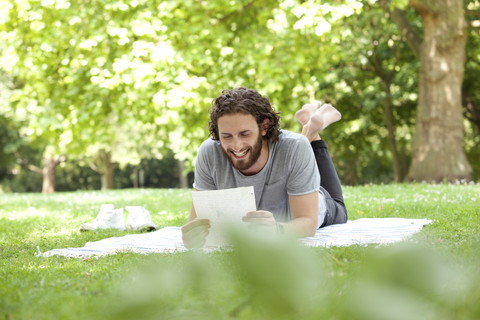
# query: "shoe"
{"type": "Point", "coordinates": [108, 218]}
{"type": "Point", "coordinates": [139, 219]}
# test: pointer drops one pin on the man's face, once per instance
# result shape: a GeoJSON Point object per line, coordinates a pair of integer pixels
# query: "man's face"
{"type": "Point", "coordinates": [242, 142]}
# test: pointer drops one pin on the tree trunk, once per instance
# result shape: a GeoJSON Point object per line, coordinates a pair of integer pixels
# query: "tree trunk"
{"type": "Point", "coordinates": [392, 141]}
{"type": "Point", "coordinates": [107, 178]}
{"type": "Point", "coordinates": [182, 178]}
{"type": "Point", "coordinates": [48, 172]}
{"type": "Point", "coordinates": [105, 167]}
{"type": "Point", "coordinates": [135, 177]}
{"type": "Point", "coordinates": [437, 150]}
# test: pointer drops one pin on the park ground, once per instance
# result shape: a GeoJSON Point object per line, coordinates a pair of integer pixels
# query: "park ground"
{"type": "Point", "coordinates": [432, 275]}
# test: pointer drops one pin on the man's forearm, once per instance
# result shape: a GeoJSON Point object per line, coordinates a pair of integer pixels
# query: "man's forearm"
{"type": "Point", "coordinates": [304, 214]}
{"type": "Point", "coordinates": [300, 227]}
{"type": "Point", "coordinates": [193, 214]}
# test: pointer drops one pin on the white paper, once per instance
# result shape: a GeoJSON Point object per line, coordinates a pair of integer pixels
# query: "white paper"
{"type": "Point", "coordinates": [223, 208]}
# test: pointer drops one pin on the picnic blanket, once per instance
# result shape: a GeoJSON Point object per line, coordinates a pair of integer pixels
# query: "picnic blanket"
{"type": "Point", "coordinates": [169, 239]}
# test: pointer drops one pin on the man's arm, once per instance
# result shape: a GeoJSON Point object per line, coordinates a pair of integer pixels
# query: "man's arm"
{"type": "Point", "coordinates": [195, 231]}
{"type": "Point", "coordinates": [304, 216]}
{"type": "Point", "coordinates": [193, 214]}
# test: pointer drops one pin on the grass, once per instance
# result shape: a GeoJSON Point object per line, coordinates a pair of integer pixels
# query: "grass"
{"type": "Point", "coordinates": [433, 275]}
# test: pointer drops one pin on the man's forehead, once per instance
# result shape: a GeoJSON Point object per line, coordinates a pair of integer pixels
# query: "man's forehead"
{"type": "Point", "coordinates": [239, 117]}
{"type": "Point", "coordinates": [237, 122]}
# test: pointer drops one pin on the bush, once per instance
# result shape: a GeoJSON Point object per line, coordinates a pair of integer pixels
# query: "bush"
{"type": "Point", "coordinates": [72, 176]}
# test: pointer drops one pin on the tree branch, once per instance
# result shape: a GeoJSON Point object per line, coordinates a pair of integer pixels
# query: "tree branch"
{"type": "Point", "coordinates": [406, 30]}
{"type": "Point", "coordinates": [228, 16]}
{"type": "Point", "coordinates": [24, 164]}
{"type": "Point", "coordinates": [60, 158]}
{"type": "Point", "coordinates": [423, 5]}
{"type": "Point", "coordinates": [474, 13]}
{"type": "Point", "coordinates": [35, 169]}
{"type": "Point", "coordinates": [93, 167]}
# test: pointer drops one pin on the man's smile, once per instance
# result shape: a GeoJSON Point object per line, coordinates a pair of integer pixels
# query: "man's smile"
{"type": "Point", "coordinates": [241, 154]}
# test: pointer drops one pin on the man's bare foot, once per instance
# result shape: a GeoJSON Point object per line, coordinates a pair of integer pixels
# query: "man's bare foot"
{"type": "Point", "coordinates": [304, 114]}
{"type": "Point", "coordinates": [319, 120]}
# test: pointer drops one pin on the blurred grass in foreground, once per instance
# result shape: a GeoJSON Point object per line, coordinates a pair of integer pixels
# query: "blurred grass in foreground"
{"type": "Point", "coordinates": [434, 275]}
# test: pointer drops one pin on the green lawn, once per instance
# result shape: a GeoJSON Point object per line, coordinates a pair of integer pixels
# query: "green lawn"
{"type": "Point", "coordinates": [434, 275]}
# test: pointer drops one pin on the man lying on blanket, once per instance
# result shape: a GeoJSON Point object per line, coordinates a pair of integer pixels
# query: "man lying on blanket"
{"type": "Point", "coordinates": [297, 189]}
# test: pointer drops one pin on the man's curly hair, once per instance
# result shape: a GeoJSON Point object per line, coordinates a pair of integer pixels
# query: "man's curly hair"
{"type": "Point", "coordinates": [247, 101]}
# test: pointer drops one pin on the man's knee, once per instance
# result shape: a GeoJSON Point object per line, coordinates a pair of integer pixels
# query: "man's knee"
{"type": "Point", "coordinates": [336, 213]}
{"type": "Point", "coordinates": [342, 214]}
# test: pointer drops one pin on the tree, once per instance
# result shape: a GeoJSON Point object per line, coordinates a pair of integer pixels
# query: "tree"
{"type": "Point", "coordinates": [108, 82]}
{"type": "Point", "coordinates": [437, 150]}
{"type": "Point", "coordinates": [9, 139]}
{"type": "Point", "coordinates": [471, 85]}
{"type": "Point", "coordinates": [375, 72]}
{"type": "Point", "coordinates": [84, 73]}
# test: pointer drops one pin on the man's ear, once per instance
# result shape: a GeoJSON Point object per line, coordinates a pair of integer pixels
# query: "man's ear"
{"type": "Point", "coordinates": [265, 125]}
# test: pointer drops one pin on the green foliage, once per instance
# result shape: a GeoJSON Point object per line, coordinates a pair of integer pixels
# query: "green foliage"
{"type": "Point", "coordinates": [471, 100]}
{"type": "Point", "coordinates": [154, 173]}
{"type": "Point", "coordinates": [399, 4]}
{"type": "Point", "coordinates": [137, 78]}
{"type": "Point", "coordinates": [9, 143]}
{"type": "Point", "coordinates": [430, 276]}
{"type": "Point", "coordinates": [72, 175]}
{"type": "Point", "coordinates": [23, 181]}
{"type": "Point", "coordinates": [95, 95]}
{"type": "Point", "coordinates": [372, 62]}
{"type": "Point", "coordinates": [16, 177]}
{"type": "Point", "coordinates": [10, 140]}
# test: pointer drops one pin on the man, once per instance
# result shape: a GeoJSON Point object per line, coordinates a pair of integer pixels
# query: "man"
{"type": "Point", "coordinates": [297, 191]}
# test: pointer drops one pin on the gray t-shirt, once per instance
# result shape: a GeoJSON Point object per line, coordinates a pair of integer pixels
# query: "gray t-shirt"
{"type": "Point", "coordinates": [290, 170]}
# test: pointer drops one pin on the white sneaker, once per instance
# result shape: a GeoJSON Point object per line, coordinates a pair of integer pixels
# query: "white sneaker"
{"type": "Point", "coordinates": [108, 218]}
{"type": "Point", "coordinates": [139, 219]}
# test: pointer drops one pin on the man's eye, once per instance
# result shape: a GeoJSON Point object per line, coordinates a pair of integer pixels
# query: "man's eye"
{"type": "Point", "coordinates": [245, 134]}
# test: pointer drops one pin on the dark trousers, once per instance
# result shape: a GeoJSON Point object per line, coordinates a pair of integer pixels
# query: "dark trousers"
{"type": "Point", "coordinates": [330, 186]}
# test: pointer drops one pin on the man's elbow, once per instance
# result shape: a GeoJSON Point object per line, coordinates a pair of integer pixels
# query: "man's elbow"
{"type": "Point", "coordinates": [312, 227]}
{"type": "Point", "coordinates": [311, 232]}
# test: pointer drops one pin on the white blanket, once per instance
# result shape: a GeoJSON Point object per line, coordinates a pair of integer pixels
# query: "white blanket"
{"type": "Point", "coordinates": [169, 239]}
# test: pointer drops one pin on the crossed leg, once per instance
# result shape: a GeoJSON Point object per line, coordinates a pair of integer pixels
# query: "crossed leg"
{"type": "Point", "coordinates": [314, 118]}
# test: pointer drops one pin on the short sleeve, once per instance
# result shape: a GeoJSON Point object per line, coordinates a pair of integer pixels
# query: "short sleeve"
{"type": "Point", "coordinates": [203, 179]}
{"type": "Point", "coordinates": [303, 177]}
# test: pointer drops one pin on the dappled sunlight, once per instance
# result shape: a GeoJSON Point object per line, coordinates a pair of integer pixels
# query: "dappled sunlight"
{"type": "Point", "coordinates": [33, 212]}
{"type": "Point", "coordinates": [50, 218]}
{"type": "Point", "coordinates": [354, 126]}
{"type": "Point", "coordinates": [444, 66]}
{"type": "Point", "coordinates": [43, 232]}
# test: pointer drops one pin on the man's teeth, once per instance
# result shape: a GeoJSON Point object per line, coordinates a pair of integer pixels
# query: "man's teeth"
{"type": "Point", "coordinates": [240, 154]}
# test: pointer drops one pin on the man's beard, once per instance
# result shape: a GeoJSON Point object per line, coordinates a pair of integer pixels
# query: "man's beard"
{"type": "Point", "coordinates": [253, 155]}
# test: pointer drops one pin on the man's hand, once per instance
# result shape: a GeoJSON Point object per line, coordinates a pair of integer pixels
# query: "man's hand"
{"type": "Point", "coordinates": [260, 220]}
{"type": "Point", "coordinates": [194, 233]}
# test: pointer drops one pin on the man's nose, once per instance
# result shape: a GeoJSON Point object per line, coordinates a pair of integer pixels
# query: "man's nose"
{"type": "Point", "coordinates": [236, 143]}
